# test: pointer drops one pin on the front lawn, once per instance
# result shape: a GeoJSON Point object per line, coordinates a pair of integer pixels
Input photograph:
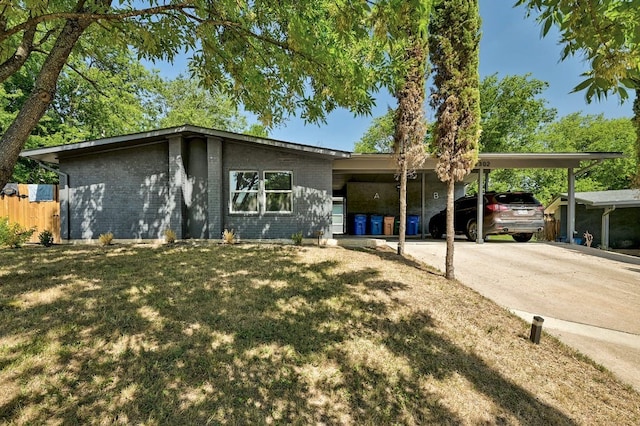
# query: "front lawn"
{"type": "Point", "coordinates": [259, 334]}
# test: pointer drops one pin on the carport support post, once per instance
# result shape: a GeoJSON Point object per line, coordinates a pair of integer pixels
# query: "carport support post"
{"type": "Point", "coordinates": [480, 209]}
{"type": "Point", "coordinates": [604, 243]}
{"type": "Point", "coordinates": [571, 206]}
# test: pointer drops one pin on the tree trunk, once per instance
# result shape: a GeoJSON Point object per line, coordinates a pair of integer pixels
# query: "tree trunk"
{"type": "Point", "coordinates": [402, 230]}
{"type": "Point", "coordinates": [36, 105]}
{"type": "Point", "coordinates": [636, 123]}
{"type": "Point", "coordinates": [451, 233]}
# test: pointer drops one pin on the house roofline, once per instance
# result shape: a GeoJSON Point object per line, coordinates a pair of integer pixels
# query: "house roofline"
{"type": "Point", "coordinates": [50, 154]}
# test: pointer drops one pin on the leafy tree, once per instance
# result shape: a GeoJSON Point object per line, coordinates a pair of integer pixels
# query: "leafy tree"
{"type": "Point", "coordinates": [379, 136]}
{"type": "Point", "coordinates": [454, 42]}
{"type": "Point", "coordinates": [512, 111]}
{"type": "Point", "coordinates": [404, 26]}
{"type": "Point", "coordinates": [93, 100]}
{"type": "Point", "coordinates": [185, 101]}
{"type": "Point", "coordinates": [275, 59]}
{"type": "Point", "coordinates": [607, 34]}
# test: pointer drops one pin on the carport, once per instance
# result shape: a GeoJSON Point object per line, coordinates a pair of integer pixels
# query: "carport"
{"type": "Point", "coordinates": [374, 168]}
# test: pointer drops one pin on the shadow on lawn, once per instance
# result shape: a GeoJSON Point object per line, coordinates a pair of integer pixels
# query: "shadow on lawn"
{"type": "Point", "coordinates": [222, 334]}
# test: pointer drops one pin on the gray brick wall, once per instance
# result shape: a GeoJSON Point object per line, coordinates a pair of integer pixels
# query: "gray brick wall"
{"type": "Point", "coordinates": [312, 178]}
{"type": "Point", "coordinates": [140, 192]}
{"type": "Point", "coordinates": [125, 192]}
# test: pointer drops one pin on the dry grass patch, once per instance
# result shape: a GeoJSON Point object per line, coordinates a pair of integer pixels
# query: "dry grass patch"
{"type": "Point", "coordinates": [257, 334]}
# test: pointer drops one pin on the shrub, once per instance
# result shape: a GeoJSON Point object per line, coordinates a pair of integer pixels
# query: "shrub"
{"type": "Point", "coordinates": [170, 236]}
{"type": "Point", "coordinates": [46, 238]}
{"type": "Point", "coordinates": [12, 234]}
{"type": "Point", "coordinates": [106, 239]}
{"type": "Point", "coordinates": [297, 238]}
{"type": "Point", "coordinates": [229, 236]}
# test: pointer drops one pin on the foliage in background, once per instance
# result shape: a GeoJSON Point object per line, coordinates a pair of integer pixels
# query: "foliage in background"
{"type": "Point", "coordinates": [185, 101]}
{"type": "Point", "coordinates": [12, 234]}
{"type": "Point", "coordinates": [454, 40]}
{"type": "Point", "coordinates": [513, 110]}
{"type": "Point", "coordinates": [96, 100]}
{"type": "Point", "coordinates": [379, 136]}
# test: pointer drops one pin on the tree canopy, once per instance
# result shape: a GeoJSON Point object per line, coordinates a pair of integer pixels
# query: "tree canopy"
{"type": "Point", "coordinates": [267, 57]}
{"type": "Point", "coordinates": [512, 111]}
{"type": "Point", "coordinates": [605, 32]}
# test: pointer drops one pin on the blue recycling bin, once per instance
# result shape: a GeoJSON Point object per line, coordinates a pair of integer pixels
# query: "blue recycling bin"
{"type": "Point", "coordinates": [413, 223]}
{"type": "Point", "coordinates": [359, 224]}
{"type": "Point", "coordinates": [376, 224]}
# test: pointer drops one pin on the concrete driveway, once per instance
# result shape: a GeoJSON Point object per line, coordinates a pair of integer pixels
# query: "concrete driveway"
{"type": "Point", "coordinates": [590, 299]}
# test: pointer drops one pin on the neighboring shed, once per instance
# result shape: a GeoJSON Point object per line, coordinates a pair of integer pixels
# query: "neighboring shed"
{"type": "Point", "coordinates": [612, 217]}
{"type": "Point", "coordinates": [193, 180]}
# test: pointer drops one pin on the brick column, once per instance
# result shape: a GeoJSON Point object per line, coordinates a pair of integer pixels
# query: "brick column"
{"type": "Point", "coordinates": [215, 188]}
{"type": "Point", "coordinates": [177, 178]}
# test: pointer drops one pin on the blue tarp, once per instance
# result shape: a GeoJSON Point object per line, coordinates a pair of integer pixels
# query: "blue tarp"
{"type": "Point", "coordinates": [41, 192]}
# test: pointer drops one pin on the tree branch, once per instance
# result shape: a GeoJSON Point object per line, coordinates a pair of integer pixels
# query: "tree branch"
{"type": "Point", "coordinates": [33, 22]}
{"type": "Point", "coordinates": [15, 62]}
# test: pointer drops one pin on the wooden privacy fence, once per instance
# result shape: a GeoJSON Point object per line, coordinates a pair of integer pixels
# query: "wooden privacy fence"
{"type": "Point", "coordinates": [41, 215]}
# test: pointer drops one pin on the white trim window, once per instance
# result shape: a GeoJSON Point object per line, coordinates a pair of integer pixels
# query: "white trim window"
{"type": "Point", "coordinates": [244, 187]}
{"type": "Point", "coordinates": [278, 192]}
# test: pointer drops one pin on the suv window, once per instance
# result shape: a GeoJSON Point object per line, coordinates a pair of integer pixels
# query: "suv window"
{"type": "Point", "coordinates": [516, 198]}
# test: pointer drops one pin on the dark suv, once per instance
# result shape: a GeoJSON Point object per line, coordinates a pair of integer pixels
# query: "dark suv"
{"type": "Point", "coordinates": [518, 214]}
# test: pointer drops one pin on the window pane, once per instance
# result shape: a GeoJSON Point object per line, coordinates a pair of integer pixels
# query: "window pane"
{"type": "Point", "coordinates": [278, 202]}
{"type": "Point", "coordinates": [244, 181]}
{"type": "Point", "coordinates": [244, 202]}
{"type": "Point", "coordinates": [277, 181]}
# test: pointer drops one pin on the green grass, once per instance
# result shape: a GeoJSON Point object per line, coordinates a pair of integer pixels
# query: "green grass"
{"type": "Point", "coordinates": [259, 334]}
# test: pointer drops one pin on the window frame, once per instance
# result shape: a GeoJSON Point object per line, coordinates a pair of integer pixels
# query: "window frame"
{"type": "Point", "coordinates": [233, 191]}
{"type": "Point", "coordinates": [266, 192]}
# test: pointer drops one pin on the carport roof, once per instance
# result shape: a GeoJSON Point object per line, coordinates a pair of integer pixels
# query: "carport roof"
{"type": "Point", "coordinates": [375, 163]}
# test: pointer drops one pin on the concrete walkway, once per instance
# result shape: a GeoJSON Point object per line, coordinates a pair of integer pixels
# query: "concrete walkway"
{"type": "Point", "coordinates": [588, 298]}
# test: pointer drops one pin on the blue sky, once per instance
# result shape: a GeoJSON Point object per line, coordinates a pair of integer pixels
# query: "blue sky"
{"type": "Point", "coordinates": [511, 45]}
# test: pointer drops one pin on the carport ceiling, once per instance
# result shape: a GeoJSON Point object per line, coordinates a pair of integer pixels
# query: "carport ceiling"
{"type": "Point", "coordinates": [375, 163]}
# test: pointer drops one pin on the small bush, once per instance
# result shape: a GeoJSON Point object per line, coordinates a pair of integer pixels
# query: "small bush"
{"type": "Point", "coordinates": [106, 239]}
{"type": "Point", "coordinates": [297, 238]}
{"type": "Point", "coordinates": [229, 236]}
{"type": "Point", "coordinates": [170, 236]}
{"type": "Point", "coordinates": [12, 234]}
{"type": "Point", "coordinates": [46, 238]}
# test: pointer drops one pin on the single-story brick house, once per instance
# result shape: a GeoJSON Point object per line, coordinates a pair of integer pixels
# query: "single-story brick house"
{"type": "Point", "coordinates": [199, 182]}
{"type": "Point", "coordinates": [194, 181]}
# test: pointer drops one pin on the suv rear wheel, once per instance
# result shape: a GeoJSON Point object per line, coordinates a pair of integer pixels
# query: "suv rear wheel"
{"type": "Point", "coordinates": [472, 230]}
{"type": "Point", "coordinates": [435, 231]}
{"type": "Point", "coordinates": [522, 238]}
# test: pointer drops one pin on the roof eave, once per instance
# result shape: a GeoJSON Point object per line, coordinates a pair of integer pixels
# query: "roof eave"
{"type": "Point", "coordinates": [51, 154]}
